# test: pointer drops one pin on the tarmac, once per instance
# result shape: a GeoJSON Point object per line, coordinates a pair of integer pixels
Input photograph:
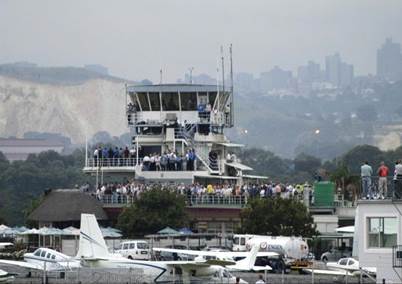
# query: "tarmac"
{"type": "Point", "coordinates": [119, 276]}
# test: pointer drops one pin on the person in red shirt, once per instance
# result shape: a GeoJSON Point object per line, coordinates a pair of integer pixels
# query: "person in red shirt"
{"type": "Point", "coordinates": [382, 180]}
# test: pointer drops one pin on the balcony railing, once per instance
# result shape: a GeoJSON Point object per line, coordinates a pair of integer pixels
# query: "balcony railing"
{"type": "Point", "coordinates": [112, 162]}
{"type": "Point", "coordinates": [380, 188]}
{"type": "Point", "coordinates": [192, 200]}
{"type": "Point", "coordinates": [213, 200]}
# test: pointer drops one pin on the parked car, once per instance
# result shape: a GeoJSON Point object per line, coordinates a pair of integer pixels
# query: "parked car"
{"type": "Point", "coordinates": [136, 249]}
{"type": "Point", "coordinates": [336, 254]}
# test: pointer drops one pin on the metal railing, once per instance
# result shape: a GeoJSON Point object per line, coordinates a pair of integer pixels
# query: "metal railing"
{"type": "Point", "coordinates": [192, 200]}
{"type": "Point", "coordinates": [376, 187]}
{"type": "Point", "coordinates": [112, 162]}
{"type": "Point", "coordinates": [215, 200]}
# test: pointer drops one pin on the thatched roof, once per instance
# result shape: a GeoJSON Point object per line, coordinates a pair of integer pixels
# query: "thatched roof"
{"type": "Point", "coordinates": [67, 205]}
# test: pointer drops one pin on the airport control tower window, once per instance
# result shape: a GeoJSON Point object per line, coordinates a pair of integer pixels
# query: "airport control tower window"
{"type": "Point", "coordinates": [143, 98]}
{"type": "Point", "coordinates": [170, 101]}
{"type": "Point", "coordinates": [188, 101]}
{"type": "Point", "coordinates": [155, 101]}
{"type": "Point", "coordinates": [382, 232]}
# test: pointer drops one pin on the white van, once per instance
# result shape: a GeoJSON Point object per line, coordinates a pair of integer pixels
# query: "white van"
{"type": "Point", "coordinates": [136, 249]}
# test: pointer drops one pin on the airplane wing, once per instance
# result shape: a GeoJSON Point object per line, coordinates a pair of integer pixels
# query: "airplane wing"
{"type": "Point", "coordinates": [245, 253]}
{"type": "Point", "coordinates": [262, 268]}
{"type": "Point", "coordinates": [218, 254]}
{"type": "Point", "coordinates": [21, 264]}
{"type": "Point", "coordinates": [329, 272]}
{"type": "Point", "coordinates": [194, 263]}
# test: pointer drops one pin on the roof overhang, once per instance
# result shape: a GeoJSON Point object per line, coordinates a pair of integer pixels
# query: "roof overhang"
{"type": "Point", "coordinates": [239, 166]}
{"type": "Point", "coordinates": [254, 177]}
{"type": "Point", "coordinates": [231, 145]}
{"type": "Point", "coordinates": [215, 177]}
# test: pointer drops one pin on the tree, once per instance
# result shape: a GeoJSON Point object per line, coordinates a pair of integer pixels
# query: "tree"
{"type": "Point", "coordinates": [306, 163]}
{"type": "Point", "coordinates": [277, 216]}
{"type": "Point", "coordinates": [153, 211]}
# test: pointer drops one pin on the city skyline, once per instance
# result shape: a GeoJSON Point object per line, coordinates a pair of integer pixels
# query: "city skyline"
{"type": "Point", "coordinates": [135, 39]}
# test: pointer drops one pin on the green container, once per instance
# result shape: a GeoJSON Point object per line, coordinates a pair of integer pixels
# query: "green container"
{"type": "Point", "coordinates": [324, 194]}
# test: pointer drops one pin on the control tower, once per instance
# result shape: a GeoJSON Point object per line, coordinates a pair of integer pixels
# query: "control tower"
{"type": "Point", "coordinates": [185, 123]}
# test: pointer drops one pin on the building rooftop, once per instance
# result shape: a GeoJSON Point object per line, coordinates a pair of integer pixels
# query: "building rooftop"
{"type": "Point", "coordinates": [174, 88]}
{"type": "Point", "coordinates": [66, 205]}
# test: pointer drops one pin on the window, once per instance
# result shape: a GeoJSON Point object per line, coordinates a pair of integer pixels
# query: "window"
{"type": "Point", "coordinates": [170, 101]}
{"type": "Point", "coordinates": [236, 240]}
{"type": "Point", "coordinates": [132, 246]}
{"type": "Point", "coordinates": [53, 256]}
{"type": "Point", "coordinates": [188, 101]}
{"type": "Point", "coordinates": [125, 246]}
{"type": "Point", "coordinates": [43, 253]}
{"type": "Point", "coordinates": [143, 98]}
{"type": "Point", "coordinates": [343, 261]}
{"type": "Point", "coordinates": [382, 232]}
{"type": "Point", "coordinates": [142, 245]}
{"type": "Point", "coordinates": [37, 252]}
{"type": "Point", "coordinates": [48, 255]}
{"type": "Point", "coordinates": [155, 101]}
{"type": "Point", "coordinates": [242, 241]}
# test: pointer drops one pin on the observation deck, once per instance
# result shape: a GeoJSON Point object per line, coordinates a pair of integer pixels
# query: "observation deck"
{"type": "Point", "coordinates": [177, 135]}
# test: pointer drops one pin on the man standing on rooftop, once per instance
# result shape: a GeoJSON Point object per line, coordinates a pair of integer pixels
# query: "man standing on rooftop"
{"type": "Point", "coordinates": [382, 180]}
{"type": "Point", "coordinates": [366, 172]}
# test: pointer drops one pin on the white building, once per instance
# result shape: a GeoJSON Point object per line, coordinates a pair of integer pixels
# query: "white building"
{"type": "Point", "coordinates": [378, 231]}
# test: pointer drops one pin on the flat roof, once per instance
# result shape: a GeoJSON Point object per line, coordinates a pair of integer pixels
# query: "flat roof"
{"type": "Point", "coordinates": [174, 88]}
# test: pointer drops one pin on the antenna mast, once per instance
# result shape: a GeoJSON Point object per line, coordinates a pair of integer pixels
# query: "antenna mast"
{"type": "Point", "coordinates": [160, 71]}
{"type": "Point", "coordinates": [223, 71]}
{"type": "Point", "coordinates": [231, 88]}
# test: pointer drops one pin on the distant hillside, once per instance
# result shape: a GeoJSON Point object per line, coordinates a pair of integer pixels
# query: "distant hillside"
{"type": "Point", "coordinates": [52, 75]}
{"type": "Point", "coordinates": [72, 101]}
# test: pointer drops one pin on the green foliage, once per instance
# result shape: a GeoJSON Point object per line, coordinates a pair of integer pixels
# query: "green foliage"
{"type": "Point", "coordinates": [306, 163]}
{"type": "Point", "coordinates": [277, 216]}
{"type": "Point", "coordinates": [155, 210]}
{"type": "Point", "coordinates": [280, 170]}
{"type": "Point", "coordinates": [22, 182]}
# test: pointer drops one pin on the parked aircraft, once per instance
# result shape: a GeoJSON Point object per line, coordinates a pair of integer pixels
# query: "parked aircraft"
{"type": "Point", "coordinates": [93, 252]}
{"type": "Point", "coordinates": [345, 267]}
{"type": "Point", "coordinates": [44, 258]}
{"type": "Point", "coordinates": [220, 255]}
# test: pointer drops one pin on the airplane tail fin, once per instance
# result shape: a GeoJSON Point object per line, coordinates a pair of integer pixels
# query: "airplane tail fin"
{"type": "Point", "coordinates": [248, 262]}
{"type": "Point", "coordinates": [92, 245]}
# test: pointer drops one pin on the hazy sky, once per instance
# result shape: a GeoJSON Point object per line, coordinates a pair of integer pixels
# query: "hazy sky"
{"type": "Point", "coordinates": [134, 39]}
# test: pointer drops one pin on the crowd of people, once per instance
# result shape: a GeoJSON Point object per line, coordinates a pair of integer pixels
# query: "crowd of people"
{"type": "Point", "coordinates": [373, 188]}
{"type": "Point", "coordinates": [170, 160]}
{"type": "Point", "coordinates": [117, 191]}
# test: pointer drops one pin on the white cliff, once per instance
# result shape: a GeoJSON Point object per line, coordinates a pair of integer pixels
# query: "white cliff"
{"type": "Point", "coordinates": [75, 111]}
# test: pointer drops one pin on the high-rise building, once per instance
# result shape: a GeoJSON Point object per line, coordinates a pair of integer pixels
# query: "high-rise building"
{"type": "Point", "coordinates": [389, 61]}
{"type": "Point", "coordinates": [277, 78]}
{"type": "Point", "coordinates": [338, 73]}
{"type": "Point", "coordinates": [309, 73]}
